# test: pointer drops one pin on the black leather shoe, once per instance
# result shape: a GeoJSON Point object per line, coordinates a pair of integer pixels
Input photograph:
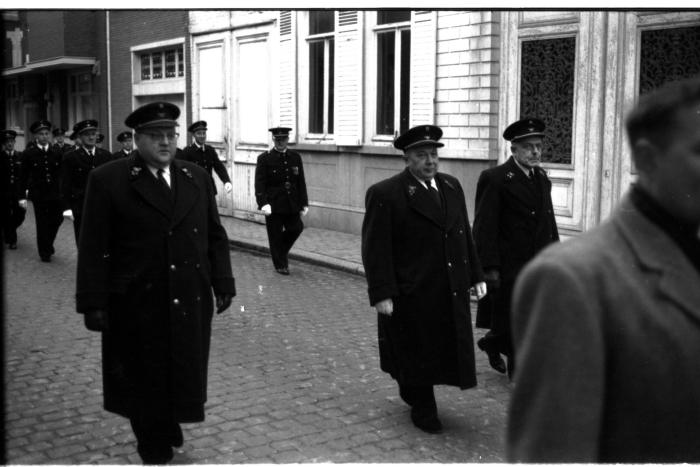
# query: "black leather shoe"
{"type": "Point", "coordinates": [495, 359]}
{"type": "Point", "coordinates": [283, 271]}
{"type": "Point", "coordinates": [426, 420]}
{"type": "Point", "coordinates": [46, 259]}
{"type": "Point", "coordinates": [155, 454]}
{"type": "Point", "coordinates": [12, 246]}
{"type": "Point", "coordinates": [176, 438]}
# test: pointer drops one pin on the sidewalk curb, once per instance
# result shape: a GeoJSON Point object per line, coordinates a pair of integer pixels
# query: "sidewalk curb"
{"type": "Point", "coordinates": [304, 256]}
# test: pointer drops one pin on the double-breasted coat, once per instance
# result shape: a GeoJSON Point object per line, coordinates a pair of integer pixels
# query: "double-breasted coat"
{"type": "Point", "coordinates": [10, 179]}
{"type": "Point", "coordinates": [150, 257]}
{"type": "Point", "coordinates": [207, 159]}
{"type": "Point", "coordinates": [41, 174]}
{"type": "Point", "coordinates": [77, 165]}
{"type": "Point", "coordinates": [513, 220]}
{"type": "Point", "coordinates": [423, 257]}
{"type": "Point", "coordinates": [280, 182]}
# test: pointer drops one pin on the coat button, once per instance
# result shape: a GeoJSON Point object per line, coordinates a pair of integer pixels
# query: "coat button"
{"type": "Point", "coordinates": [194, 230]}
{"type": "Point", "coordinates": [170, 233]}
{"type": "Point", "coordinates": [532, 212]}
{"type": "Point", "coordinates": [449, 265]}
{"type": "Point", "coordinates": [176, 302]}
{"type": "Point", "coordinates": [199, 299]}
{"type": "Point", "coordinates": [196, 266]}
{"type": "Point", "coordinates": [172, 267]}
{"type": "Point", "coordinates": [454, 294]}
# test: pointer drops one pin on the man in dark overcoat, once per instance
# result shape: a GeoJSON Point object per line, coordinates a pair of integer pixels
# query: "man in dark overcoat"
{"type": "Point", "coordinates": [77, 165]}
{"type": "Point", "coordinates": [126, 141]}
{"type": "Point", "coordinates": [41, 183]}
{"type": "Point", "coordinates": [10, 174]}
{"type": "Point", "coordinates": [151, 250]}
{"type": "Point", "coordinates": [59, 143]}
{"type": "Point", "coordinates": [607, 325]}
{"type": "Point", "coordinates": [420, 263]}
{"type": "Point", "coordinates": [280, 191]}
{"type": "Point", "coordinates": [514, 220]}
{"type": "Point", "coordinates": [205, 156]}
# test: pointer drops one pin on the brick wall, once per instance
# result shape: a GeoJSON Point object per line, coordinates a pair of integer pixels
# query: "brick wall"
{"type": "Point", "coordinates": [45, 39]}
{"type": "Point", "coordinates": [129, 28]}
{"type": "Point", "coordinates": [467, 82]}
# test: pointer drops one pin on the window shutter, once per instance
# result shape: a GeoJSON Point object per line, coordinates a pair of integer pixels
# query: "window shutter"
{"type": "Point", "coordinates": [423, 64]}
{"type": "Point", "coordinates": [348, 79]}
{"type": "Point", "coordinates": [287, 72]}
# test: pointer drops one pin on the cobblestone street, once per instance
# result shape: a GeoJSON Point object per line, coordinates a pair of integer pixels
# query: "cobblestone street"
{"type": "Point", "coordinates": [293, 376]}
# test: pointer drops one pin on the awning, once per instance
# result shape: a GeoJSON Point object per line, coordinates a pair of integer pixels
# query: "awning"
{"type": "Point", "coordinates": [50, 64]}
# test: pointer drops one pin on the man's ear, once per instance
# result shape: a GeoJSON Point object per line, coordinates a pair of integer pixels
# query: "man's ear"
{"type": "Point", "coordinates": [645, 154]}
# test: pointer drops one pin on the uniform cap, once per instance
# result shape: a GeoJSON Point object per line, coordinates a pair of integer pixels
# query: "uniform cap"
{"type": "Point", "coordinates": [59, 131]}
{"type": "Point", "coordinates": [200, 125]}
{"type": "Point", "coordinates": [524, 128]}
{"type": "Point", "coordinates": [7, 135]}
{"type": "Point", "coordinates": [85, 125]}
{"type": "Point", "coordinates": [124, 135]}
{"type": "Point", "coordinates": [279, 131]}
{"type": "Point", "coordinates": [419, 136]}
{"type": "Point", "coordinates": [155, 114]}
{"type": "Point", "coordinates": [40, 125]}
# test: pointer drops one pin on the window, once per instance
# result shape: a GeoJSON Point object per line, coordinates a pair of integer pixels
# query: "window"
{"type": "Point", "coordinates": [393, 36]}
{"type": "Point", "coordinates": [547, 92]}
{"type": "Point", "coordinates": [13, 97]}
{"type": "Point", "coordinates": [668, 55]}
{"type": "Point", "coordinates": [80, 97]}
{"type": "Point", "coordinates": [321, 71]}
{"type": "Point", "coordinates": [162, 64]}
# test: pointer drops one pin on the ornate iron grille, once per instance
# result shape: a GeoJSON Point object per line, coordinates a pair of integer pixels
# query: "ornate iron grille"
{"type": "Point", "coordinates": [668, 55]}
{"type": "Point", "coordinates": [547, 92]}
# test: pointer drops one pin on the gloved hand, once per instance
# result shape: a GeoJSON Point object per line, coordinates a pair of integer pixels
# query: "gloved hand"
{"type": "Point", "coordinates": [96, 320]}
{"type": "Point", "coordinates": [68, 214]}
{"type": "Point", "coordinates": [23, 203]}
{"type": "Point", "coordinates": [223, 301]}
{"type": "Point", "coordinates": [385, 307]}
{"type": "Point", "coordinates": [266, 210]}
{"type": "Point", "coordinates": [480, 289]}
{"type": "Point", "coordinates": [492, 278]}
{"type": "Point", "coordinates": [304, 210]}
{"type": "Point", "coordinates": [228, 187]}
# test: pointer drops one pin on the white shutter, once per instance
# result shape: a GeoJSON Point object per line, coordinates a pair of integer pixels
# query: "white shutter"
{"type": "Point", "coordinates": [348, 78]}
{"type": "Point", "coordinates": [423, 64]}
{"type": "Point", "coordinates": [287, 72]}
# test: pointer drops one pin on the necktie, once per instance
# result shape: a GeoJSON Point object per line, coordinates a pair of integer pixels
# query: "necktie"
{"type": "Point", "coordinates": [435, 194]}
{"type": "Point", "coordinates": [164, 184]}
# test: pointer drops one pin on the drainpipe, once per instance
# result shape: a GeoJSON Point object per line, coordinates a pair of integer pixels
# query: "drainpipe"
{"type": "Point", "coordinates": [109, 82]}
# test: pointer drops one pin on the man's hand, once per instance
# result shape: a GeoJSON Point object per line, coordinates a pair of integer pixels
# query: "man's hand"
{"type": "Point", "coordinates": [385, 307]}
{"type": "Point", "coordinates": [23, 203]}
{"type": "Point", "coordinates": [223, 301]}
{"type": "Point", "coordinates": [480, 290]}
{"type": "Point", "coordinates": [266, 210]}
{"type": "Point", "coordinates": [96, 320]}
{"type": "Point", "coordinates": [492, 278]}
{"type": "Point", "coordinates": [228, 186]}
{"type": "Point", "coordinates": [304, 210]}
{"type": "Point", "coordinates": [68, 214]}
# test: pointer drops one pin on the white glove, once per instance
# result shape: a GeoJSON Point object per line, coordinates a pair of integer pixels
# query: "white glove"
{"type": "Point", "coordinates": [23, 203]}
{"type": "Point", "coordinates": [480, 289]}
{"type": "Point", "coordinates": [266, 210]}
{"type": "Point", "coordinates": [304, 210]}
{"type": "Point", "coordinates": [385, 307]}
{"type": "Point", "coordinates": [68, 214]}
{"type": "Point", "coordinates": [228, 187]}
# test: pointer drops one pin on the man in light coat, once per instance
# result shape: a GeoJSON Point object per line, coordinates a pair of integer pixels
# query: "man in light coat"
{"type": "Point", "coordinates": [607, 325]}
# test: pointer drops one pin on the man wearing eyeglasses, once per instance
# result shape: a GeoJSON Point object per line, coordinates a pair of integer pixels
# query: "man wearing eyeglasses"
{"type": "Point", "coordinates": [152, 249]}
{"type": "Point", "coordinates": [77, 165]}
{"type": "Point", "coordinates": [514, 220]}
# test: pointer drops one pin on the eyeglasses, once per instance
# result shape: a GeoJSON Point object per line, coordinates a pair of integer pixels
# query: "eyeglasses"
{"type": "Point", "coordinates": [160, 136]}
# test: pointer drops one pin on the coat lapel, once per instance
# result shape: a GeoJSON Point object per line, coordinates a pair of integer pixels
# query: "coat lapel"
{"type": "Point", "coordinates": [143, 181]}
{"type": "Point", "coordinates": [419, 199]}
{"type": "Point", "coordinates": [678, 279]}
{"type": "Point", "coordinates": [450, 197]}
{"type": "Point", "coordinates": [187, 191]}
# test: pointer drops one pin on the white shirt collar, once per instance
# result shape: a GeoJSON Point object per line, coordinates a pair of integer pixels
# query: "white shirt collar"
{"type": "Point", "coordinates": [433, 183]}
{"type": "Point", "coordinates": [166, 172]}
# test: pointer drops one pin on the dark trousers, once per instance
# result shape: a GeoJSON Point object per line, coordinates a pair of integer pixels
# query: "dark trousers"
{"type": "Point", "coordinates": [499, 339]}
{"type": "Point", "coordinates": [418, 396]}
{"type": "Point", "coordinates": [14, 218]}
{"type": "Point", "coordinates": [282, 231]}
{"type": "Point", "coordinates": [48, 216]}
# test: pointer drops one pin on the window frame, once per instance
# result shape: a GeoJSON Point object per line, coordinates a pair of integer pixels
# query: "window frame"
{"type": "Point", "coordinates": [325, 38]}
{"type": "Point", "coordinates": [372, 75]}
